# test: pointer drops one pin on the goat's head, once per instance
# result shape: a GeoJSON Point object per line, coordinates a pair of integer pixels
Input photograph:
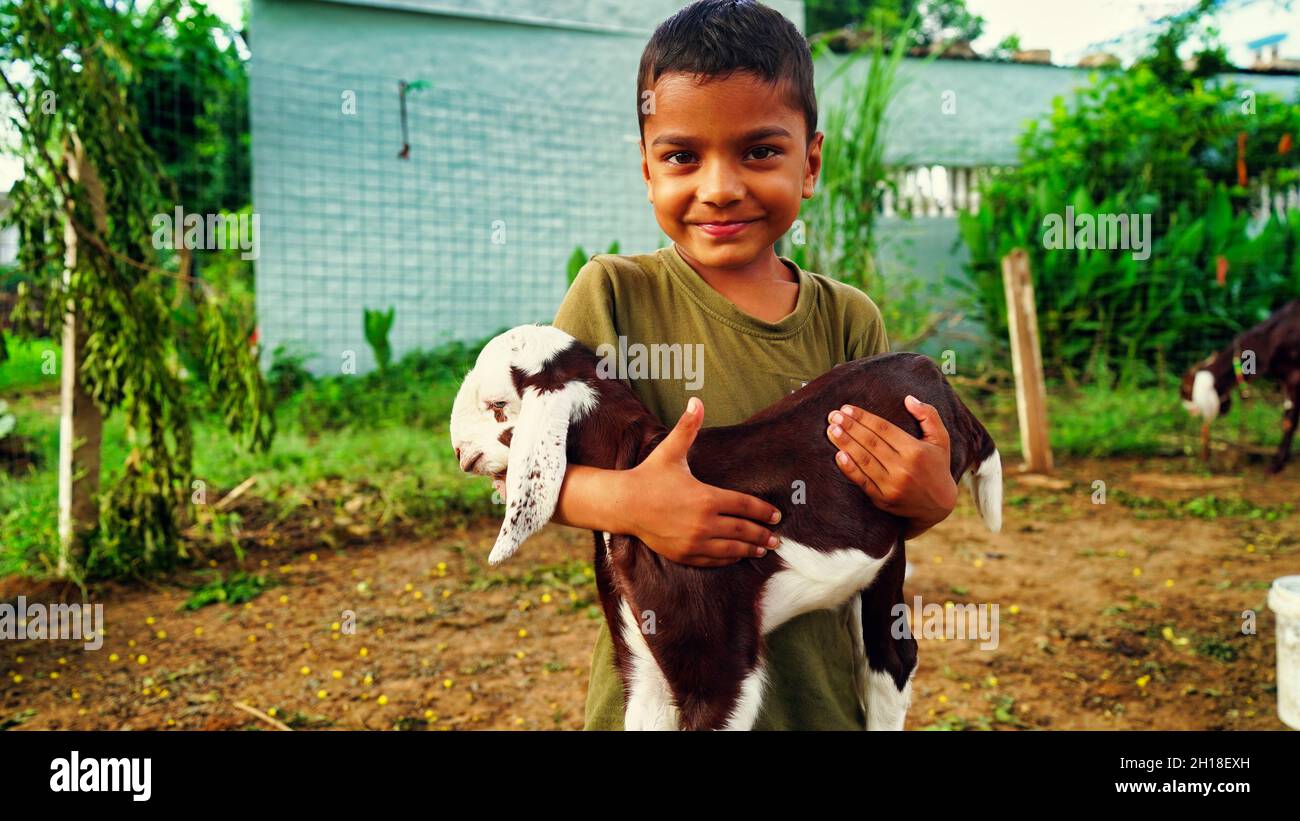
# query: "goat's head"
{"type": "Point", "coordinates": [511, 421]}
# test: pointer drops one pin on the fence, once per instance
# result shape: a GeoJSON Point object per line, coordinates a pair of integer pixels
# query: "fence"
{"type": "Point", "coordinates": [458, 208]}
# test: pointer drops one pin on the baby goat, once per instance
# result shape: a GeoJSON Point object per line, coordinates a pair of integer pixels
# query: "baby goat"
{"type": "Point", "coordinates": [688, 641]}
{"type": "Point", "coordinates": [1275, 345]}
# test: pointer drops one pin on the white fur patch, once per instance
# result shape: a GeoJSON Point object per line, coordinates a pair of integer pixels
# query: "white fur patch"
{"type": "Point", "coordinates": [1204, 397]}
{"type": "Point", "coordinates": [886, 704]}
{"type": "Point", "coordinates": [532, 346]}
{"type": "Point", "coordinates": [859, 651]}
{"type": "Point", "coordinates": [650, 702]}
{"type": "Point", "coordinates": [813, 580]}
{"type": "Point", "coordinates": [745, 713]}
{"type": "Point", "coordinates": [986, 489]}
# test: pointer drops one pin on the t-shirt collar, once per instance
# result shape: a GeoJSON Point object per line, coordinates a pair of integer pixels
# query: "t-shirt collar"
{"type": "Point", "coordinates": [727, 311]}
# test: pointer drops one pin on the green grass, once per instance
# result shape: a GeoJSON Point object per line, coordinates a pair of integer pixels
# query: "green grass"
{"type": "Point", "coordinates": [384, 433]}
{"type": "Point", "coordinates": [1101, 421]}
{"type": "Point", "coordinates": [1201, 507]}
{"type": "Point", "coordinates": [237, 588]}
{"type": "Point", "coordinates": [31, 366]}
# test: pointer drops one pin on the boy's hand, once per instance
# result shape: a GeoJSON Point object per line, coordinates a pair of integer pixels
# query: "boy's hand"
{"type": "Point", "coordinates": [902, 475]}
{"type": "Point", "coordinates": [685, 520]}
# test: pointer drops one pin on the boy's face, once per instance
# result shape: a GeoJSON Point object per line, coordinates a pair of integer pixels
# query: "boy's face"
{"type": "Point", "coordinates": [728, 151]}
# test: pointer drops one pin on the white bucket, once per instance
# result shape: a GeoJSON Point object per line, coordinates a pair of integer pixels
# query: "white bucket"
{"type": "Point", "coordinates": [1284, 600]}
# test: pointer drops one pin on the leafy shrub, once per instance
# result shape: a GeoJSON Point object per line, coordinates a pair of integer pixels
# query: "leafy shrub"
{"type": "Point", "coordinates": [287, 376]}
{"type": "Point", "coordinates": [1152, 140]}
{"type": "Point", "coordinates": [417, 390]}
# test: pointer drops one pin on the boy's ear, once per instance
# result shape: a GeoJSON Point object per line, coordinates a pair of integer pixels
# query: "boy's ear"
{"type": "Point", "coordinates": [645, 173]}
{"type": "Point", "coordinates": [814, 165]}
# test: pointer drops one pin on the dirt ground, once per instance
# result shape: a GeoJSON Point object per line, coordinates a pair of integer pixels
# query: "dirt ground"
{"type": "Point", "coordinates": [1122, 615]}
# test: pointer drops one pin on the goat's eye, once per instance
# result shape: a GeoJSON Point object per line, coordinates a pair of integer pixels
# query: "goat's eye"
{"type": "Point", "coordinates": [500, 403]}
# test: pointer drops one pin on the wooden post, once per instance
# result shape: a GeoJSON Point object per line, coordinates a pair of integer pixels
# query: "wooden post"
{"type": "Point", "coordinates": [80, 422]}
{"type": "Point", "coordinates": [1026, 361]}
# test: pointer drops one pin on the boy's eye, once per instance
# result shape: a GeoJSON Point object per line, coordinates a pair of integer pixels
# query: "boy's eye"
{"type": "Point", "coordinates": [771, 152]}
{"type": "Point", "coordinates": [669, 158]}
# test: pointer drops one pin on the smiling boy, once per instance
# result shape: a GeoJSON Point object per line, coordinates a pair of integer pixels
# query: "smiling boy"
{"type": "Point", "coordinates": [729, 149]}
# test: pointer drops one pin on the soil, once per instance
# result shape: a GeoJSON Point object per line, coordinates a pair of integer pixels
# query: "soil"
{"type": "Point", "coordinates": [1122, 615]}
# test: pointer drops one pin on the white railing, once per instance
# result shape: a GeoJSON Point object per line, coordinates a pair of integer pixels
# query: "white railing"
{"type": "Point", "coordinates": [935, 190]}
{"type": "Point", "coordinates": [942, 191]}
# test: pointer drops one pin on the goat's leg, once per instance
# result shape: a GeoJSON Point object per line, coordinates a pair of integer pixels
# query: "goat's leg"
{"type": "Point", "coordinates": [1290, 416]}
{"type": "Point", "coordinates": [890, 662]}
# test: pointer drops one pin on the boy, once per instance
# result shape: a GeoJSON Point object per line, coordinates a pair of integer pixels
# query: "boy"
{"type": "Point", "coordinates": [729, 149]}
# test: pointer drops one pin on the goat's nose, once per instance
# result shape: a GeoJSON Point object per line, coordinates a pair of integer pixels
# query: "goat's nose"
{"type": "Point", "coordinates": [457, 454]}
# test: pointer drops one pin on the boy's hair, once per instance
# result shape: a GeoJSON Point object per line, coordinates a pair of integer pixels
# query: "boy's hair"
{"type": "Point", "coordinates": [716, 38]}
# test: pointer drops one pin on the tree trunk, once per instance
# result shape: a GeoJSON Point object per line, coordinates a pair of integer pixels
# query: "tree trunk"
{"type": "Point", "coordinates": [80, 422]}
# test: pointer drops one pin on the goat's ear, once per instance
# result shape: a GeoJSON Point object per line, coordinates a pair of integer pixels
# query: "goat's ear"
{"type": "Point", "coordinates": [536, 469]}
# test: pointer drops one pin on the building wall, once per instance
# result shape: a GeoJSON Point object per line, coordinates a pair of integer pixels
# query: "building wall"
{"type": "Point", "coordinates": [522, 147]}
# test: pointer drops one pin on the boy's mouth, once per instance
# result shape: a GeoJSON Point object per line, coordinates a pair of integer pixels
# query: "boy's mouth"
{"type": "Point", "coordinates": [724, 229]}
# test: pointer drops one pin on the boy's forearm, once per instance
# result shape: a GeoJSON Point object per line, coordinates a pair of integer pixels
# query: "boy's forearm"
{"type": "Point", "coordinates": [592, 499]}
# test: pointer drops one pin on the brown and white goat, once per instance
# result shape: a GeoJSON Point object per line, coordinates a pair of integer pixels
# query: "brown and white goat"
{"type": "Point", "coordinates": [1274, 347]}
{"type": "Point", "coordinates": [688, 641]}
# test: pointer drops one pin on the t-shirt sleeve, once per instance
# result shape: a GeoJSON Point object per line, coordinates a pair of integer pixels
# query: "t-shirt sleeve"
{"type": "Point", "coordinates": [587, 311]}
{"type": "Point", "coordinates": [866, 328]}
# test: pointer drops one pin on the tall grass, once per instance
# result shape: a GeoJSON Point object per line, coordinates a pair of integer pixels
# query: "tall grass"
{"type": "Point", "coordinates": [840, 220]}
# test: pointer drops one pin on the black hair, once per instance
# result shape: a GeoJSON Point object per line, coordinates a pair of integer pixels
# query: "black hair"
{"type": "Point", "coordinates": [716, 38]}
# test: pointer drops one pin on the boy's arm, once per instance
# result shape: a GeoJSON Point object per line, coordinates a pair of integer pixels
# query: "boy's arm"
{"type": "Point", "coordinates": [658, 501]}
{"type": "Point", "coordinates": [589, 500]}
{"type": "Point", "coordinates": [900, 474]}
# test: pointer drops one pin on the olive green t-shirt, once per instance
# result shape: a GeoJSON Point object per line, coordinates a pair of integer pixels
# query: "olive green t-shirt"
{"type": "Point", "coordinates": [737, 365]}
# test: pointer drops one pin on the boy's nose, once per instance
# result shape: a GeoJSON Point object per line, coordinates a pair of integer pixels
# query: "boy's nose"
{"type": "Point", "coordinates": [721, 186]}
